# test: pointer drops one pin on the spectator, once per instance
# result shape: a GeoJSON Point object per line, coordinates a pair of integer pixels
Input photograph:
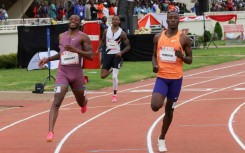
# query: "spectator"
{"type": "Point", "coordinates": [196, 6]}
{"type": "Point", "coordinates": [105, 10]}
{"type": "Point", "coordinates": [93, 11]}
{"type": "Point", "coordinates": [112, 9]}
{"type": "Point", "coordinates": [87, 10]}
{"type": "Point", "coordinates": [115, 8]}
{"type": "Point", "coordinates": [45, 9]}
{"type": "Point", "coordinates": [79, 9]}
{"type": "Point", "coordinates": [35, 8]}
{"type": "Point", "coordinates": [166, 7]}
{"type": "Point", "coordinates": [70, 9]}
{"type": "Point", "coordinates": [61, 12]}
{"type": "Point", "coordinates": [103, 26]}
{"type": "Point", "coordinates": [3, 13]}
{"type": "Point", "coordinates": [156, 8]}
{"type": "Point", "coordinates": [40, 10]}
{"type": "Point", "coordinates": [137, 8]}
{"type": "Point", "coordinates": [212, 8]}
{"type": "Point", "coordinates": [52, 10]}
{"type": "Point", "coordinates": [171, 7]}
{"type": "Point", "coordinates": [100, 8]}
{"type": "Point", "coordinates": [148, 8]}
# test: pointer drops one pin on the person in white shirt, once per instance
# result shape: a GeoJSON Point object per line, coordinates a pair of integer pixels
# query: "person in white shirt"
{"type": "Point", "coordinates": [106, 10]}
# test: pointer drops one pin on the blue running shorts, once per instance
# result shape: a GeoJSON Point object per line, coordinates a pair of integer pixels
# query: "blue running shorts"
{"type": "Point", "coordinates": [169, 88]}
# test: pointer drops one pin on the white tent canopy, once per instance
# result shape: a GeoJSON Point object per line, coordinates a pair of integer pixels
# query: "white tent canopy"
{"type": "Point", "coordinates": [33, 64]}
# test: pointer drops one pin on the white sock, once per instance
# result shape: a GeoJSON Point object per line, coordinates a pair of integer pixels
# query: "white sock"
{"type": "Point", "coordinates": [115, 78]}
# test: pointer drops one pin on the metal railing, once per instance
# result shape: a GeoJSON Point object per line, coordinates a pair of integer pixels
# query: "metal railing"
{"type": "Point", "coordinates": [11, 25]}
{"type": "Point", "coordinates": [240, 14]}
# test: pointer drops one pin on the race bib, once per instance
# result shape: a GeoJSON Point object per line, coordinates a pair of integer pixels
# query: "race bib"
{"type": "Point", "coordinates": [81, 13]}
{"type": "Point", "coordinates": [68, 58]}
{"type": "Point", "coordinates": [113, 46]}
{"type": "Point", "coordinates": [167, 54]}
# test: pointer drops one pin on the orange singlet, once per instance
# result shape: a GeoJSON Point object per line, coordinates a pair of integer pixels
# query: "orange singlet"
{"type": "Point", "coordinates": [100, 8]}
{"type": "Point", "coordinates": [170, 66]}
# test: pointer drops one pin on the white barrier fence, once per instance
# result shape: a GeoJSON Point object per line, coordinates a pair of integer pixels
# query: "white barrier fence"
{"type": "Point", "coordinates": [8, 29]}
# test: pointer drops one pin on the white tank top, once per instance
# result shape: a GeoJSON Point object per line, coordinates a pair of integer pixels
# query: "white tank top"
{"type": "Point", "coordinates": [113, 41]}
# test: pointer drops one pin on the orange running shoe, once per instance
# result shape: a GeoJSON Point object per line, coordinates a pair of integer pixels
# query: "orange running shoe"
{"type": "Point", "coordinates": [50, 137]}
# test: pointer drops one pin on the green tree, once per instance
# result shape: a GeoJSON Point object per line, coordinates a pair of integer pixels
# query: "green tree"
{"type": "Point", "coordinates": [218, 30]}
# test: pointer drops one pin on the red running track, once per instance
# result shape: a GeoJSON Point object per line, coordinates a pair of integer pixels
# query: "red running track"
{"type": "Point", "coordinates": [209, 117]}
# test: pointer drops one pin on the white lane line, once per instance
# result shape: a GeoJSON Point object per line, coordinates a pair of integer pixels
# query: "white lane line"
{"type": "Point", "coordinates": [198, 89]}
{"type": "Point", "coordinates": [190, 75]}
{"type": "Point", "coordinates": [25, 119]}
{"type": "Point", "coordinates": [66, 137]}
{"type": "Point", "coordinates": [119, 150]}
{"type": "Point", "coordinates": [32, 116]}
{"type": "Point", "coordinates": [146, 90]}
{"type": "Point", "coordinates": [226, 76]}
{"type": "Point", "coordinates": [211, 70]}
{"type": "Point", "coordinates": [107, 106]}
{"type": "Point", "coordinates": [150, 131]}
{"type": "Point", "coordinates": [223, 98]}
{"type": "Point", "coordinates": [59, 146]}
{"type": "Point", "coordinates": [202, 125]}
{"type": "Point", "coordinates": [239, 89]}
{"type": "Point", "coordinates": [231, 127]}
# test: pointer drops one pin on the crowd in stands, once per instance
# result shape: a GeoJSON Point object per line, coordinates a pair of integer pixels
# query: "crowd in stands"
{"type": "Point", "coordinates": [86, 9]}
{"type": "Point", "coordinates": [159, 6]}
{"type": "Point", "coordinates": [96, 9]}
{"type": "Point", "coordinates": [228, 5]}
{"type": "Point", "coordinates": [3, 13]}
{"type": "Point", "coordinates": [222, 5]}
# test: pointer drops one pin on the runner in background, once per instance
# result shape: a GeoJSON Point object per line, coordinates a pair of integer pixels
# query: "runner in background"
{"type": "Point", "coordinates": [112, 38]}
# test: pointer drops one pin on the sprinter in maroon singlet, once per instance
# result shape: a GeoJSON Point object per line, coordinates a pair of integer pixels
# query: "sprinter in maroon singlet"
{"type": "Point", "coordinates": [74, 46]}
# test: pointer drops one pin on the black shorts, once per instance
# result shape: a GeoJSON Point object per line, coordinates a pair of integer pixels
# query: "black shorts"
{"type": "Point", "coordinates": [111, 61]}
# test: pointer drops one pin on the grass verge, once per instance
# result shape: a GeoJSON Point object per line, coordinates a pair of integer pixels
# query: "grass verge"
{"type": "Point", "coordinates": [23, 80]}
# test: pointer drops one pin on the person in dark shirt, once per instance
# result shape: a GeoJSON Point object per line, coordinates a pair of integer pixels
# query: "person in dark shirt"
{"type": "Point", "coordinates": [103, 26]}
{"type": "Point", "coordinates": [70, 9]}
{"type": "Point", "coordinates": [94, 12]}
